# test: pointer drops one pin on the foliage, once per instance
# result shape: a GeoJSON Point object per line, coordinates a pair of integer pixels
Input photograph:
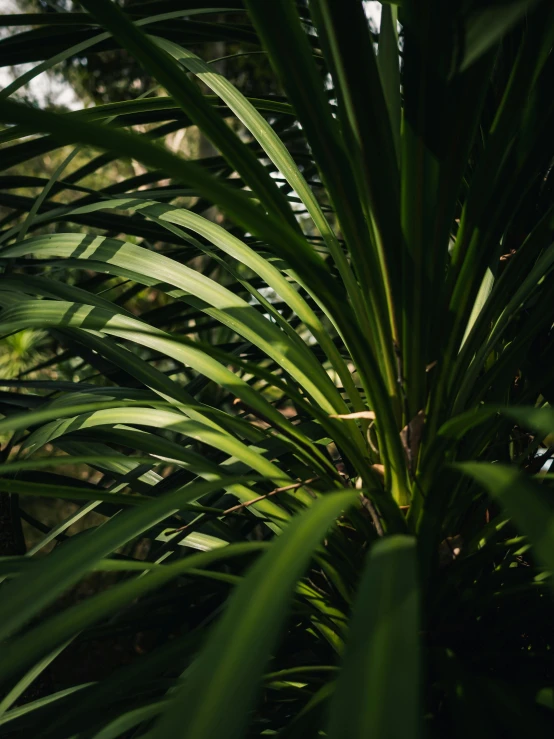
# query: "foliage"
{"type": "Point", "coordinates": [307, 377]}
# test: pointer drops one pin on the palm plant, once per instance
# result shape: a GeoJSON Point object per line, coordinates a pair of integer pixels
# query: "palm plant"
{"type": "Point", "coordinates": [319, 454]}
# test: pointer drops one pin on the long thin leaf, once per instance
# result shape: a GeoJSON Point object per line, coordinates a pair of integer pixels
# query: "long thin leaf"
{"type": "Point", "coordinates": [66, 565]}
{"type": "Point", "coordinates": [381, 670]}
{"type": "Point", "coordinates": [523, 500]}
{"type": "Point", "coordinates": [222, 686]}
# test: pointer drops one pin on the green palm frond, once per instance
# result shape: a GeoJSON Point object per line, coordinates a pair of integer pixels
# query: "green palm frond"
{"type": "Point", "coordinates": [301, 381]}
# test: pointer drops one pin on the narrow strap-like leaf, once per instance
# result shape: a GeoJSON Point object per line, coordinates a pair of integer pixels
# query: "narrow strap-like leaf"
{"type": "Point", "coordinates": [222, 685]}
{"type": "Point", "coordinates": [524, 501]}
{"type": "Point", "coordinates": [379, 687]}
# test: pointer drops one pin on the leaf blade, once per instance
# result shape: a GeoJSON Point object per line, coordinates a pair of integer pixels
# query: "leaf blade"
{"type": "Point", "coordinates": [222, 687]}
{"type": "Point", "coordinates": [381, 663]}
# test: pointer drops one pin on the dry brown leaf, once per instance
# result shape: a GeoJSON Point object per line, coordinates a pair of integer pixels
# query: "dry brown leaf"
{"type": "Point", "coordinates": [411, 437]}
{"type": "Point", "coordinates": [379, 469]}
{"type": "Point", "coordinates": [450, 549]}
{"type": "Point", "coordinates": [370, 415]}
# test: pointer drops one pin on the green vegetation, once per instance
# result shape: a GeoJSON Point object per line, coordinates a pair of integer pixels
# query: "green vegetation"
{"type": "Point", "coordinates": [291, 390]}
